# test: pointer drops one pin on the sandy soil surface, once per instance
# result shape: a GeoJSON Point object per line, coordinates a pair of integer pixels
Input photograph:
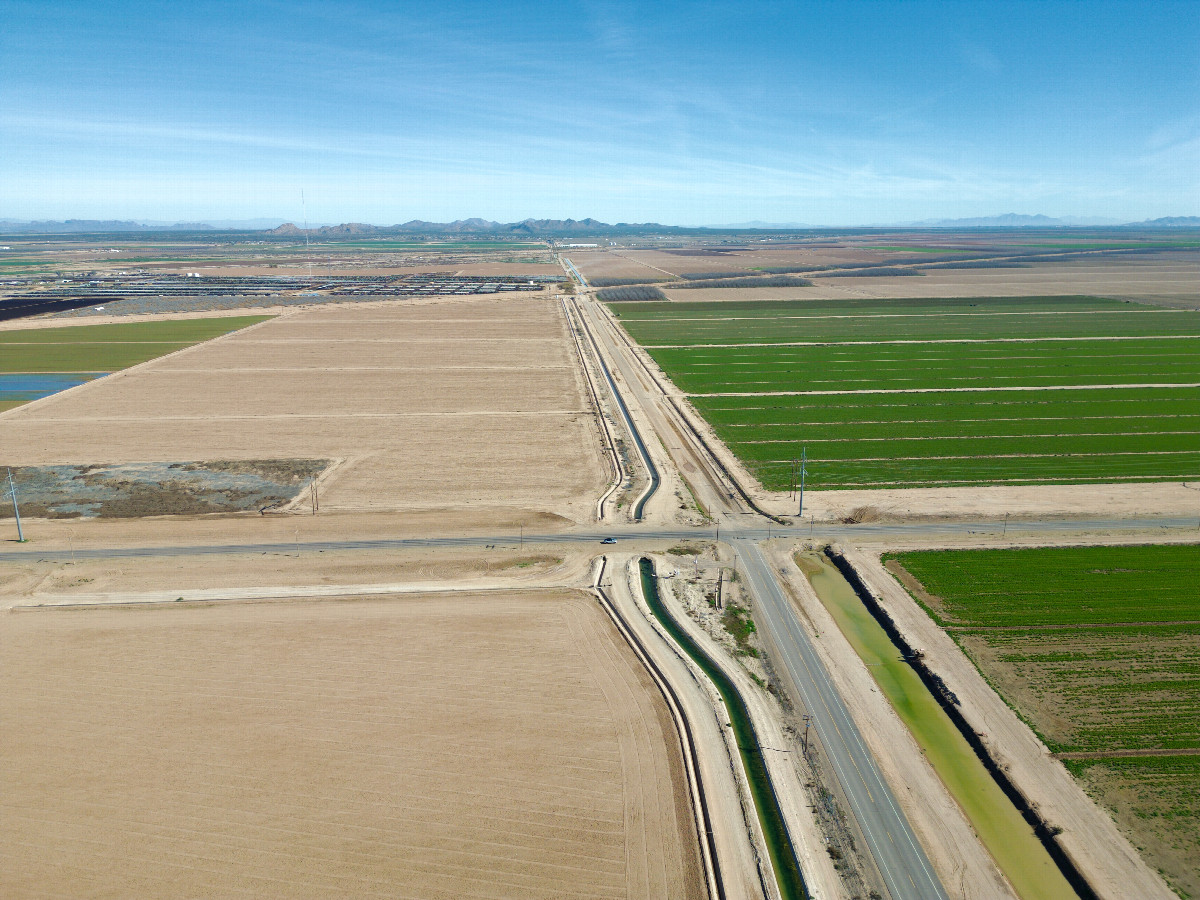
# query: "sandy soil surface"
{"type": "Point", "coordinates": [1089, 837]}
{"type": "Point", "coordinates": [289, 750]}
{"type": "Point", "coordinates": [456, 406]}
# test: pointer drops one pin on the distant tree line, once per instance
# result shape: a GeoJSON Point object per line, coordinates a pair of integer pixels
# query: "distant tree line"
{"type": "Point", "coordinates": [869, 272]}
{"type": "Point", "coordinates": [749, 282]}
{"type": "Point", "coordinates": [630, 294]}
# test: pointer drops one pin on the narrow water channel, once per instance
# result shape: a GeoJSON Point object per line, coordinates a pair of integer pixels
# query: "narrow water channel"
{"type": "Point", "coordinates": [779, 845]}
{"type": "Point", "coordinates": [1004, 832]}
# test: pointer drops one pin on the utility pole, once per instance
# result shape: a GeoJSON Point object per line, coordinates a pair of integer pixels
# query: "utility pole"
{"type": "Point", "coordinates": [522, 535]}
{"type": "Point", "coordinates": [803, 472]}
{"type": "Point", "coordinates": [12, 491]}
{"type": "Point", "coordinates": [1005, 531]}
{"type": "Point", "coordinates": [720, 588]}
{"type": "Point", "coordinates": [807, 722]}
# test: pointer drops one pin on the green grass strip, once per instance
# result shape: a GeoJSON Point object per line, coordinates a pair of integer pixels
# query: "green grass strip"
{"type": "Point", "coordinates": [107, 348]}
{"type": "Point", "coordinates": [163, 331]}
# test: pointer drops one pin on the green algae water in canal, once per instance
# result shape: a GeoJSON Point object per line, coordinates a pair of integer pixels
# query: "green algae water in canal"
{"type": "Point", "coordinates": [1004, 832]}
{"type": "Point", "coordinates": [779, 845]}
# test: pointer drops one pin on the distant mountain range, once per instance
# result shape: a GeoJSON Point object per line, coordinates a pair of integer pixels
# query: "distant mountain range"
{"type": "Point", "coordinates": [81, 226]}
{"type": "Point", "coordinates": [528, 227]}
{"type": "Point", "coordinates": [545, 228]}
{"type": "Point", "coordinates": [1016, 220]}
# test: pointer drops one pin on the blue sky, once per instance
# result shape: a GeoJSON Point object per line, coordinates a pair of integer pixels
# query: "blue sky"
{"type": "Point", "coordinates": [831, 113]}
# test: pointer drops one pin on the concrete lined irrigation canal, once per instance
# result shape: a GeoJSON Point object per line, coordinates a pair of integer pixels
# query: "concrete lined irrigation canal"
{"type": "Point", "coordinates": [779, 845]}
{"type": "Point", "coordinates": [1005, 833]}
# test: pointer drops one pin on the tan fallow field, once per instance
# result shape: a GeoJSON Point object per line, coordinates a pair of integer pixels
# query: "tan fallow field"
{"type": "Point", "coordinates": [1160, 277]}
{"type": "Point", "coordinates": [475, 412]}
{"type": "Point", "coordinates": [503, 744]}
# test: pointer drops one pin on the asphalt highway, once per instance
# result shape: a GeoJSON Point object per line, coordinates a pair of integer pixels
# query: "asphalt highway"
{"type": "Point", "coordinates": [902, 863]}
{"type": "Point", "coordinates": [1153, 528]}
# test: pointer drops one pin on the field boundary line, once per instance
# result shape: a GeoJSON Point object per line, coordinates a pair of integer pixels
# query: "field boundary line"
{"type": "Point", "coordinates": [953, 390]}
{"type": "Point", "coordinates": [996, 340]}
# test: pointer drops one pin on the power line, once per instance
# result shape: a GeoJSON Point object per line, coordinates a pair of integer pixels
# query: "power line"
{"type": "Point", "coordinates": [12, 491]}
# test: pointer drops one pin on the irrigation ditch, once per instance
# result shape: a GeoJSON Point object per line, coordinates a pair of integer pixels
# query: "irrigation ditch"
{"type": "Point", "coordinates": [946, 700]}
{"type": "Point", "coordinates": [639, 509]}
{"type": "Point", "coordinates": [779, 844]}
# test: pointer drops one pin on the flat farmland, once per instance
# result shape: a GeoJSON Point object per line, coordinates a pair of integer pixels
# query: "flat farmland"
{"type": "Point", "coordinates": [472, 408]}
{"type": "Point", "coordinates": [938, 393]}
{"type": "Point", "coordinates": [37, 362]}
{"type": "Point", "coordinates": [1098, 649]}
{"type": "Point", "coordinates": [447, 745]}
{"type": "Point", "coordinates": [1165, 276]}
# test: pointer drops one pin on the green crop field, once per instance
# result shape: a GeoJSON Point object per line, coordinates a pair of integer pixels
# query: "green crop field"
{"type": "Point", "coordinates": [1060, 586]}
{"type": "Point", "coordinates": [900, 393]}
{"type": "Point", "coordinates": [87, 351]}
{"type": "Point", "coordinates": [1098, 649]}
{"type": "Point", "coordinates": [1157, 799]}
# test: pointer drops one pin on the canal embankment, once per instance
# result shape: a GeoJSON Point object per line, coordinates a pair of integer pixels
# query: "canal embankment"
{"type": "Point", "coordinates": [1018, 839]}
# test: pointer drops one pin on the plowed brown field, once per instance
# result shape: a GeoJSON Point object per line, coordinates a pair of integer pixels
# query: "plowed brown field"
{"type": "Point", "coordinates": [468, 745]}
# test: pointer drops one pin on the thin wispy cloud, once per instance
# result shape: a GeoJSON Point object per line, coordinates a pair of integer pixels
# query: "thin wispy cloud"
{"type": "Point", "coordinates": [688, 113]}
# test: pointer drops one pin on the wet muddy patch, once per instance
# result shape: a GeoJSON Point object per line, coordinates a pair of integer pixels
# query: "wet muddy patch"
{"type": "Point", "coordinates": [132, 490]}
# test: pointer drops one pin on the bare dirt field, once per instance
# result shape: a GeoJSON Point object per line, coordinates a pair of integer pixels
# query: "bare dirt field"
{"type": "Point", "coordinates": [466, 407]}
{"type": "Point", "coordinates": [1161, 277]}
{"type": "Point", "coordinates": [486, 745]}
